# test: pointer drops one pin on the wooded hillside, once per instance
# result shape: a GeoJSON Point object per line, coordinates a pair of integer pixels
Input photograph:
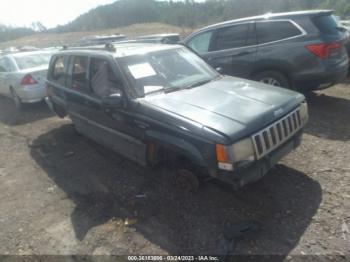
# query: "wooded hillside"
{"type": "Point", "coordinates": [189, 13]}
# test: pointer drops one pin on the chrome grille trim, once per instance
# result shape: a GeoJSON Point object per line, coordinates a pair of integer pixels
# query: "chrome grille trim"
{"type": "Point", "coordinates": [263, 140]}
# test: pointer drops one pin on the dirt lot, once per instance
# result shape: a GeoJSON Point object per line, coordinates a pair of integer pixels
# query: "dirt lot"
{"type": "Point", "coordinates": [60, 193]}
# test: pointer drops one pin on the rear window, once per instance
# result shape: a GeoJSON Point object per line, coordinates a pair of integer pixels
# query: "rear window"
{"type": "Point", "coordinates": [33, 60]}
{"type": "Point", "coordinates": [276, 30]}
{"type": "Point", "coordinates": [327, 24]}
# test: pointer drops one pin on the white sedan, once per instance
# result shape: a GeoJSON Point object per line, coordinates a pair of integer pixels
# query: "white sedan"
{"type": "Point", "coordinates": [23, 76]}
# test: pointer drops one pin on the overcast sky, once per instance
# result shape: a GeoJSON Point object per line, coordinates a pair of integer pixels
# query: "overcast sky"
{"type": "Point", "coordinates": [49, 12]}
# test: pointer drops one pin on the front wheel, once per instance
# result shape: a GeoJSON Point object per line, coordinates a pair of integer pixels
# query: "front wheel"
{"type": "Point", "coordinates": [273, 78]}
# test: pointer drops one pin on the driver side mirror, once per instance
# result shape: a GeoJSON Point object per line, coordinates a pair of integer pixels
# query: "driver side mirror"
{"type": "Point", "coordinates": [114, 100]}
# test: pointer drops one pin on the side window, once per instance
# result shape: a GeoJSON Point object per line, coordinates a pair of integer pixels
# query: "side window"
{"type": "Point", "coordinates": [58, 72]}
{"type": "Point", "coordinates": [79, 80]}
{"type": "Point", "coordinates": [276, 30]}
{"type": "Point", "coordinates": [231, 37]}
{"type": "Point", "coordinates": [201, 43]}
{"type": "Point", "coordinates": [103, 81]}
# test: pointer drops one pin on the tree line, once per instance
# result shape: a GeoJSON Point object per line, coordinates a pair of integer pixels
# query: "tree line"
{"type": "Point", "coordinates": [8, 33]}
{"type": "Point", "coordinates": [187, 13]}
{"type": "Point", "coordinates": [190, 13]}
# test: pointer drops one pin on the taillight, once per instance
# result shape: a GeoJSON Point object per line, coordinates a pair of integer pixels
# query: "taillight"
{"type": "Point", "coordinates": [323, 50]}
{"type": "Point", "coordinates": [28, 80]}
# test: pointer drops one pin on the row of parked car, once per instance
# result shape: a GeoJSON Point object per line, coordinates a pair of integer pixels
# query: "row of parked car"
{"type": "Point", "coordinates": [156, 103]}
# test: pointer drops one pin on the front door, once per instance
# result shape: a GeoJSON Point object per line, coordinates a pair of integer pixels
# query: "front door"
{"type": "Point", "coordinates": [111, 126]}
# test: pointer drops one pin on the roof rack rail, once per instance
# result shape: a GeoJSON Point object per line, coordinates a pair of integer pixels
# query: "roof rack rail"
{"type": "Point", "coordinates": [108, 47]}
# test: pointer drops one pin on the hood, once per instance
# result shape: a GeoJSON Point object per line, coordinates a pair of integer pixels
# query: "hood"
{"type": "Point", "coordinates": [231, 106]}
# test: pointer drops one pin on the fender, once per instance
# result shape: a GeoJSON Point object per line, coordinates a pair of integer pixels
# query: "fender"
{"type": "Point", "coordinates": [177, 144]}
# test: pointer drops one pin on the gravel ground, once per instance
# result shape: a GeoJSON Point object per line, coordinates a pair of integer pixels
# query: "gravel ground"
{"type": "Point", "coordinates": [61, 193]}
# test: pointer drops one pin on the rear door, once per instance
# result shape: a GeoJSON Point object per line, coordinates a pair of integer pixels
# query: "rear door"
{"type": "Point", "coordinates": [56, 83]}
{"type": "Point", "coordinates": [78, 90]}
{"type": "Point", "coordinates": [232, 48]}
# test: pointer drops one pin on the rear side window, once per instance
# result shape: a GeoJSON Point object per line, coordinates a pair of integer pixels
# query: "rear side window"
{"type": "Point", "coordinates": [201, 43]}
{"type": "Point", "coordinates": [79, 74]}
{"type": "Point", "coordinates": [327, 24]}
{"type": "Point", "coordinates": [275, 30]}
{"type": "Point", "coordinates": [231, 37]}
{"type": "Point", "coordinates": [59, 71]}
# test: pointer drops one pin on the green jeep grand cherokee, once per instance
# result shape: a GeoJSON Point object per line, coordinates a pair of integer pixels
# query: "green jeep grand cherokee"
{"type": "Point", "coordinates": [154, 103]}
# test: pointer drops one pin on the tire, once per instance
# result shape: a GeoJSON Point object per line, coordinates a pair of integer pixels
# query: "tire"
{"type": "Point", "coordinates": [16, 99]}
{"type": "Point", "coordinates": [273, 78]}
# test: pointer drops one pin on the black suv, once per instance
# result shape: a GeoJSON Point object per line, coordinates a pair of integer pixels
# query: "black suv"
{"type": "Point", "coordinates": [155, 103]}
{"type": "Point", "coordinates": [300, 50]}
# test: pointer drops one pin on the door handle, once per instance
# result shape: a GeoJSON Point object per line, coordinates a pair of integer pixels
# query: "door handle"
{"type": "Point", "coordinates": [243, 53]}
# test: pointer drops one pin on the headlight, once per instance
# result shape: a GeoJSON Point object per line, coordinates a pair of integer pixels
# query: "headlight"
{"type": "Point", "coordinates": [304, 113]}
{"type": "Point", "coordinates": [239, 152]}
{"type": "Point", "coordinates": [243, 151]}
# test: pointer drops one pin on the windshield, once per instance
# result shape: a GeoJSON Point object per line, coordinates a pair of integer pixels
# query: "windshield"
{"type": "Point", "coordinates": [32, 60]}
{"type": "Point", "coordinates": [166, 71]}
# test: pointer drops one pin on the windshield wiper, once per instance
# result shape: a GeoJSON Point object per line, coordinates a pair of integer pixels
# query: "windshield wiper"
{"type": "Point", "coordinates": [172, 89]}
{"type": "Point", "coordinates": [155, 91]}
{"type": "Point", "coordinates": [203, 82]}
{"type": "Point", "coordinates": [199, 83]}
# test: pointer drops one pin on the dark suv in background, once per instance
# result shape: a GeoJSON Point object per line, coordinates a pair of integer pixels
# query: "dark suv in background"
{"type": "Point", "coordinates": [299, 50]}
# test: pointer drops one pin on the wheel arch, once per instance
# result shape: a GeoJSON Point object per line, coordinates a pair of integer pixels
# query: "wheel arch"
{"type": "Point", "coordinates": [280, 67]}
{"type": "Point", "coordinates": [180, 149]}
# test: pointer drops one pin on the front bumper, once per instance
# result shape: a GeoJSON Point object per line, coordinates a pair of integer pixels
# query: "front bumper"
{"type": "Point", "coordinates": [258, 169]}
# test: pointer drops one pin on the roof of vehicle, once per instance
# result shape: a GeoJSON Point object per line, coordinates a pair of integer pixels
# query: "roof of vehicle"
{"type": "Point", "coordinates": [21, 54]}
{"type": "Point", "coordinates": [157, 36]}
{"type": "Point", "coordinates": [101, 37]}
{"type": "Point", "coordinates": [271, 16]}
{"type": "Point", "coordinates": [122, 49]}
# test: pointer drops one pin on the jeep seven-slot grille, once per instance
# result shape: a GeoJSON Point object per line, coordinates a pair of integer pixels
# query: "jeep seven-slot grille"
{"type": "Point", "coordinates": [275, 135]}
